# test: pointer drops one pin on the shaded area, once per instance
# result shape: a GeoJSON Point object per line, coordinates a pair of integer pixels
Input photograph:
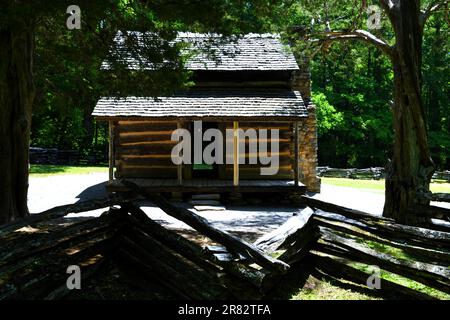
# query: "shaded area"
{"type": "Point", "coordinates": [124, 248]}
{"type": "Point", "coordinates": [345, 246]}
{"type": "Point", "coordinates": [111, 283]}
{"type": "Point", "coordinates": [97, 191]}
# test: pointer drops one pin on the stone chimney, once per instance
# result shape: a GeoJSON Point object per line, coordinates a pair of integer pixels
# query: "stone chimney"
{"type": "Point", "coordinates": [301, 81]}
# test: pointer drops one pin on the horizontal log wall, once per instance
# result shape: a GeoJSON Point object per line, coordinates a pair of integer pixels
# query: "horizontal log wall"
{"type": "Point", "coordinates": [253, 171]}
{"type": "Point", "coordinates": [143, 149]}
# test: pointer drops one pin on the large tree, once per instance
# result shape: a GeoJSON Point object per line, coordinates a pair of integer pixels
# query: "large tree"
{"type": "Point", "coordinates": [409, 171]}
{"type": "Point", "coordinates": [16, 100]}
{"type": "Point", "coordinates": [21, 20]}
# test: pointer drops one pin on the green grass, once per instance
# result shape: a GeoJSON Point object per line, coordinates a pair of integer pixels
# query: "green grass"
{"type": "Point", "coordinates": [369, 185]}
{"type": "Point", "coordinates": [43, 170]}
{"type": "Point", "coordinates": [323, 289]}
{"type": "Point", "coordinates": [402, 255]}
{"type": "Point", "coordinates": [315, 289]}
{"type": "Point", "coordinates": [378, 185]}
{"type": "Point", "coordinates": [440, 186]}
{"type": "Point", "coordinates": [405, 282]}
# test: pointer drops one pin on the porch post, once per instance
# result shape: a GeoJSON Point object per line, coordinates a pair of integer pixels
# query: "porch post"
{"type": "Point", "coordinates": [111, 151]}
{"type": "Point", "coordinates": [180, 166]}
{"type": "Point", "coordinates": [296, 153]}
{"type": "Point", "coordinates": [235, 153]}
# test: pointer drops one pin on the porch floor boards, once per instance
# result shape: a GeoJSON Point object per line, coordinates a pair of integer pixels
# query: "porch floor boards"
{"type": "Point", "coordinates": [210, 185]}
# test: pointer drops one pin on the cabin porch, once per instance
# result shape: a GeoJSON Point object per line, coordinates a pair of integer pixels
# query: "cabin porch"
{"type": "Point", "coordinates": [141, 141]}
{"type": "Point", "coordinates": [210, 185]}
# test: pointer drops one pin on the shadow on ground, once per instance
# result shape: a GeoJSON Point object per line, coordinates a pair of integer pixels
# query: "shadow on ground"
{"type": "Point", "coordinates": [248, 222]}
{"type": "Point", "coordinates": [97, 191]}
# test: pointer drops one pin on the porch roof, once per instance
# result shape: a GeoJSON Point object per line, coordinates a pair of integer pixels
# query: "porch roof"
{"type": "Point", "coordinates": [220, 104]}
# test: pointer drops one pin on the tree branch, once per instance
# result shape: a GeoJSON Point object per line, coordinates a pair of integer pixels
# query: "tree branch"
{"type": "Point", "coordinates": [387, 4]}
{"type": "Point", "coordinates": [360, 35]}
{"type": "Point", "coordinates": [390, 8]}
{"type": "Point", "coordinates": [433, 7]}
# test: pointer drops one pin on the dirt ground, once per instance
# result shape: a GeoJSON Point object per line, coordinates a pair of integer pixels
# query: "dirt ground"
{"type": "Point", "coordinates": [249, 221]}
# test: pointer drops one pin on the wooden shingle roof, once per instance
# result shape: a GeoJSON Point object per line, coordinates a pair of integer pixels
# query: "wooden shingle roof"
{"type": "Point", "coordinates": [264, 52]}
{"type": "Point", "coordinates": [220, 104]}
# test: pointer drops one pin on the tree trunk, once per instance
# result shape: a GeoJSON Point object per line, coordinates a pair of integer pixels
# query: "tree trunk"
{"type": "Point", "coordinates": [16, 99]}
{"type": "Point", "coordinates": [88, 125]}
{"type": "Point", "coordinates": [411, 167]}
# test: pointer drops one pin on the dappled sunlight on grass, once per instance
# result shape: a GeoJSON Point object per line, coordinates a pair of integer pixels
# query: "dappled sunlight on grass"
{"type": "Point", "coordinates": [378, 185]}
{"type": "Point", "coordinates": [440, 186]}
{"type": "Point", "coordinates": [369, 185]}
{"type": "Point", "coordinates": [315, 289]}
{"type": "Point", "coordinates": [404, 282]}
{"type": "Point", "coordinates": [46, 170]}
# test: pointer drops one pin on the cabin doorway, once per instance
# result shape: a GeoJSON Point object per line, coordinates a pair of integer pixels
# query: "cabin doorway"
{"type": "Point", "coordinates": [203, 170]}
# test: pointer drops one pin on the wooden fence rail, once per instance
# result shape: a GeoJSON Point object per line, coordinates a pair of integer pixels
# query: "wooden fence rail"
{"type": "Point", "coordinates": [374, 173]}
{"type": "Point", "coordinates": [334, 234]}
{"type": "Point", "coordinates": [334, 239]}
{"type": "Point", "coordinates": [33, 264]}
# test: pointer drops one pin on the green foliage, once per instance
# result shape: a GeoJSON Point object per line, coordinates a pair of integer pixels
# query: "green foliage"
{"type": "Point", "coordinates": [436, 87]}
{"type": "Point", "coordinates": [68, 73]}
{"type": "Point", "coordinates": [352, 82]}
{"type": "Point", "coordinates": [57, 129]}
{"type": "Point", "coordinates": [327, 116]}
{"type": "Point", "coordinates": [356, 80]}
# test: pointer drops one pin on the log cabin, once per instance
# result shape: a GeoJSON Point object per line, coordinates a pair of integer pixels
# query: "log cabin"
{"type": "Point", "coordinates": [252, 82]}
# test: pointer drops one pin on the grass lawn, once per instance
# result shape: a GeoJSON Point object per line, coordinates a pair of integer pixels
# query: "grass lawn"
{"type": "Point", "coordinates": [316, 289]}
{"type": "Point", "coordinates": [42, 170]}
{"type": "Point", "coordinates": [378, 185]}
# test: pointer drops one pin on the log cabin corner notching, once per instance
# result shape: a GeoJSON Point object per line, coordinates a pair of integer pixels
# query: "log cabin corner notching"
{"type": "Point", "coordinates": [252, 82]}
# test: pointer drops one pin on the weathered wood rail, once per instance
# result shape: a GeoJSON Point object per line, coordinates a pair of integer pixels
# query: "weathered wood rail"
{"type": "Point", "coordinates": [203, 226]}
{"type": "Point", "coordinates": [39, 249]}
{"type": "Point", "coordinates": [375, 173]}
{"type": "Point", "coordinates": [334, 239]}
{"type": "Point", "coordinates": [66, 157]}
